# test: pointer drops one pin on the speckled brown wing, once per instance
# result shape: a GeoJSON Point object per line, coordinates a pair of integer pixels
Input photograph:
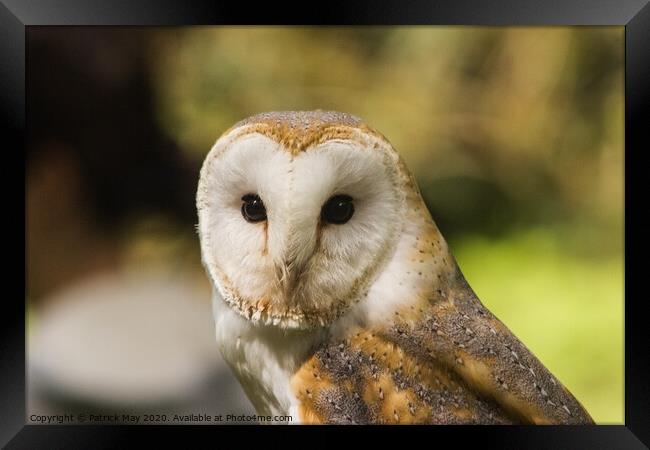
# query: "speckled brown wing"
{"type": "Point", "coordinates": [446, 361]}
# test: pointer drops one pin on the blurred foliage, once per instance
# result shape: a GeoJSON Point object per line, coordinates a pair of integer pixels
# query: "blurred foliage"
{"type": "Point", "coordinates": [501, 126]}
{"type": "Point", "coordinates": [514, 134]}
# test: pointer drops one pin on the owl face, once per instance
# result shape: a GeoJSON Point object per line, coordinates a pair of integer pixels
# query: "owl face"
{"type": "Point", "coordinates": [297, 214]}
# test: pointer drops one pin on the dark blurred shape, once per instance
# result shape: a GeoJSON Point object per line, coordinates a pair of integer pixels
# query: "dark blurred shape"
{"type": "Point", "coordinates": [98, 162]}
{"type": "Point", "coordinates": [462, 204]}
{"type": "Point", "coordinates": [119, 312]}
{"type": "Point", "coordinates": [89, 94]}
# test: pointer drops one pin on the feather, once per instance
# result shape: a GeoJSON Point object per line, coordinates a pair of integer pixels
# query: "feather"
{"type": "Point", "coordinates": [449, 362]}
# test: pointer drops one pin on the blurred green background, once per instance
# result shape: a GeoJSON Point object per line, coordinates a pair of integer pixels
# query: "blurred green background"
{"type": "Point", "coordinates": [514, 134]}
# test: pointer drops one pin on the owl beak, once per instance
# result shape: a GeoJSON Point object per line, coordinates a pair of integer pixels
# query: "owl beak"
{"type": "Point", "coordinates": [293, 253]}
{"type": "Point", "coordinates": [288, 274]}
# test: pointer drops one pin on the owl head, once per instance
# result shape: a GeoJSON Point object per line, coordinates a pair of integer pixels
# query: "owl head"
{"type": "Point", "coordinates": [298, 211]}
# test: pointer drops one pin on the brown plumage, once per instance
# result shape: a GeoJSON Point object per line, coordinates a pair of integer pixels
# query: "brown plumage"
{"type": "Point", "coordinates": [298, 130]}
{"type": "Point", "coordinates": [449, 361]}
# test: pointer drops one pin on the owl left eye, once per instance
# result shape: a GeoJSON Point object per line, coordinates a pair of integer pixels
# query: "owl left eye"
{"type": "Point", "coordinates": [338, 209]}
{"type": "Point", "coordinates": [253, 209]}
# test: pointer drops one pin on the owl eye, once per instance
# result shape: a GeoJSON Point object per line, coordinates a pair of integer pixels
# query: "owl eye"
{"type": "Point", "coordinates": [253, 209]}
{"type": "Point", "coordinates": [338, 209]}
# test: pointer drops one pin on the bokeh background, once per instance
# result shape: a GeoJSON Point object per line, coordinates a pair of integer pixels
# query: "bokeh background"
{"type": "Point", "coordinates": [514, 134]}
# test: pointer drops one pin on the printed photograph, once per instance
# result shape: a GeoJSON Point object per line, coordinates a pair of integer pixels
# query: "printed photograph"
{"type": "Point", "coordinates": [325, 225]}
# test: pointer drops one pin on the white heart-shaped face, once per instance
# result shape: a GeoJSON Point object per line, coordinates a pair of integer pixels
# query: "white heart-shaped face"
{"type": "Point", "coordinates": [296, 269]}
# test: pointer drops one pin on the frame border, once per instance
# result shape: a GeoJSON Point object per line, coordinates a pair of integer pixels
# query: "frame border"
{"type": "Point", "coordinates": [634, 15]}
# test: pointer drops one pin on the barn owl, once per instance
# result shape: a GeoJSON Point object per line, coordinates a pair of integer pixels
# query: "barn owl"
{"type": "Point", "coordinates": [337, 300]}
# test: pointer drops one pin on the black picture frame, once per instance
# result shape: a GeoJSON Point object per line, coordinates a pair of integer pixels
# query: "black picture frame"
{"type": "Point", "coordinates": [634, 15]}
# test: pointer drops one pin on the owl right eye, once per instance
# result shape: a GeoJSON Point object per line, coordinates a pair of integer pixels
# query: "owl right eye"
{"type": "Point", "coordinates": [253, 209]}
